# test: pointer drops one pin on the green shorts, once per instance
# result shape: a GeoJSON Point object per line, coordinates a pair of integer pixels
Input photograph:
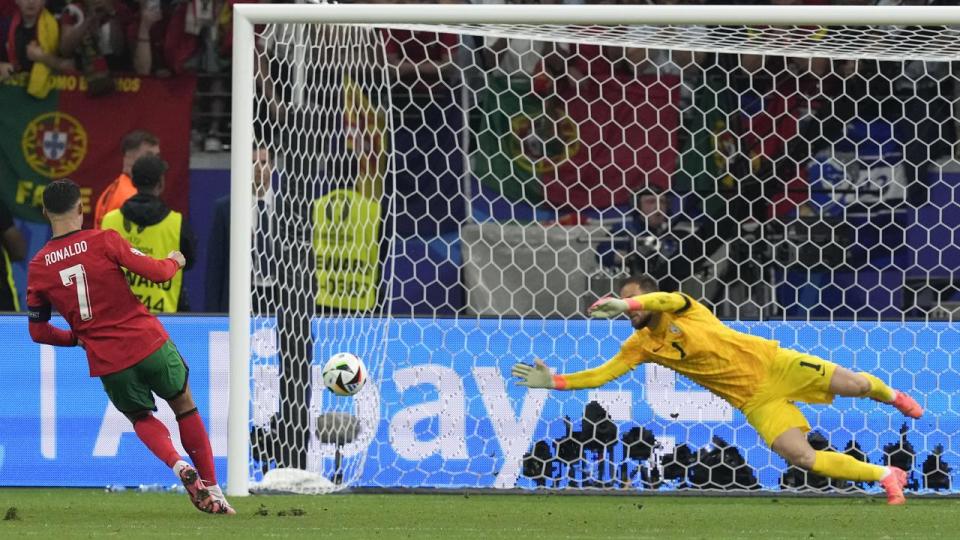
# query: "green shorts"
{"type": "Point", "coordinates": [163, 373]}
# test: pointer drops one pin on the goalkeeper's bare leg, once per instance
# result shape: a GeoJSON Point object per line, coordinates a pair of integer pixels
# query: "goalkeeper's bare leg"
{"type": "Point", "coordinates": [793, 446]}
{"type": "Point", "coordinates": [849, 384]}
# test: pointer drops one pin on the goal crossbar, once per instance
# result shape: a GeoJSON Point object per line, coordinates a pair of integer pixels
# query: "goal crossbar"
{"type": "Point", "coordinates": [601, 15]}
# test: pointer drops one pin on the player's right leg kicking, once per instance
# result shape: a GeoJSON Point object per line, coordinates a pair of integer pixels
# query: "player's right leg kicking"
{"type": "Point", "coordinates": [201, 483]}
{"type": "Point", "coordinates": [151, 431]}
{"type": "Point", "coordinates": [131, 391]}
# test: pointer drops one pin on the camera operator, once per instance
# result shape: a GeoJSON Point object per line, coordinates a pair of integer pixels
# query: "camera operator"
{"type": "Point", "coordinates": [652, 241]}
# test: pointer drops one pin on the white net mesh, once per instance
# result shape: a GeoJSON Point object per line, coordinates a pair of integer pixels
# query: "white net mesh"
{"type": "Point", "coordinates": [447, 201]}
{"type": "Point", "coordinates": [319, 237]}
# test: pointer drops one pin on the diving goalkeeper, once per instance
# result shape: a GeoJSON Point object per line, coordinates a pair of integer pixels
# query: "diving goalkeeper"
{"type": "Point", "coordinates": [753, 374]}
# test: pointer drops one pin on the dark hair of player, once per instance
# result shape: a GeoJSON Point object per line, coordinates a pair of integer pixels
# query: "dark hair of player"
{"type": "Point", "coordinates": [135, 139]}
{"type": "Point", "coordinates": [645, 282]}
{"type": "Point", "coordinates": [60, 196]}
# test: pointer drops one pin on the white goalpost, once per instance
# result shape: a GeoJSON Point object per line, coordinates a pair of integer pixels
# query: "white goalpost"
{"type": "Point", "coordinates": [451, 185]}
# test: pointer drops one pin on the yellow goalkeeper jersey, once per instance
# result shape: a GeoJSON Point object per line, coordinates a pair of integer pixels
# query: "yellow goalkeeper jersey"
{"type": "Point", "coordinates": [690, 340]}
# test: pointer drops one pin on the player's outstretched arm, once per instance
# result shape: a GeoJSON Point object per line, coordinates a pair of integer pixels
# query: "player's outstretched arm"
{"type": "Point", "coordinates": [156, 270]}
{"type": "Point", "coordinates": [539, 375]}
{"type": "Point", "coordinates": [609, 307]}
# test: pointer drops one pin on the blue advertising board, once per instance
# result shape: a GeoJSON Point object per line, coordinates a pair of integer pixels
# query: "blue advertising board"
{"type": "Point", "coordinates": [441, 409]}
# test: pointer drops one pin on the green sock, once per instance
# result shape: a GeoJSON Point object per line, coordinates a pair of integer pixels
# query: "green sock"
{"type": "Point", "coordinates": [879, 389]}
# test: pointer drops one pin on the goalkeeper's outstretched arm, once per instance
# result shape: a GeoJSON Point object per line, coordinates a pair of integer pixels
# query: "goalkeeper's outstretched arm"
{"type": "Point", "coordinates": [607, 308]}
{"type": "Point", "coordinates": [539, 375]}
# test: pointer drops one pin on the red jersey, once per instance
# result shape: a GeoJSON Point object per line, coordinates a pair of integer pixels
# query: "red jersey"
{"type": "Point", "coordinates": [79, 274]}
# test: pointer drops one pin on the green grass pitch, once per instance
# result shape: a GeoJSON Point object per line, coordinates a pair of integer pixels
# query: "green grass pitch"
{"type": "Point", "coordinates": [74, 513]}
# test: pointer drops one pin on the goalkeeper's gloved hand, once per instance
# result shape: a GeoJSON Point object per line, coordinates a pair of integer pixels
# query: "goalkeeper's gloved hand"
{"type": "Point", "coordinates": [609, 307]}
{"type": "Point", "coordinates": [536, 376]}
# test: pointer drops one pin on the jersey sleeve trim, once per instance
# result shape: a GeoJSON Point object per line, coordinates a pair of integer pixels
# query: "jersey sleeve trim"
{"type": "Point", "coordinates": [39, 314]}
{"type": "Point", "coordinates": [686, 304]}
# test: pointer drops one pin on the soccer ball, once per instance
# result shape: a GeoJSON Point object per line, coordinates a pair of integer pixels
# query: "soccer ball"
{"type": "Point", "coordinates": [344, 374]}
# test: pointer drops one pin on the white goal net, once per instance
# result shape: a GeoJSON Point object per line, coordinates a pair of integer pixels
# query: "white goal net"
{"type": "Point", "coordinates": [446, 200]}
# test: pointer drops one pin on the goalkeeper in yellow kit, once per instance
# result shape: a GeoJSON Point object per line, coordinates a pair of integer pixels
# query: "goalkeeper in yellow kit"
{"type": "Point", "coordinates": [753, 374]}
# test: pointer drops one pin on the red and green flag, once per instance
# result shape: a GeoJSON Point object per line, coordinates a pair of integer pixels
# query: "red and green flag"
{"type": "Point", "coordinates": [578, 148]}
{"type": "Point", "coordinates": [71, 135]}
{"type": "Point", "coordinates": [508, 157]}
{"type": "Point", "coordinates": [710, 143]}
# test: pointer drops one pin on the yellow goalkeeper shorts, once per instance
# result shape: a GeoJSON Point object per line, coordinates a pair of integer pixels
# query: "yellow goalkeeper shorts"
{"type": "Point", "coordinates": [793, 376]}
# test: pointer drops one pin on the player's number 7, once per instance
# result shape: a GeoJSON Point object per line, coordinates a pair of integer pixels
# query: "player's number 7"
{"type": "Point", "coordinates": [76, 274]}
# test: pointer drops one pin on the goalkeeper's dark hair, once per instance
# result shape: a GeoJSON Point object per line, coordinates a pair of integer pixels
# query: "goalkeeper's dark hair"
{"type": "Point", "coordinates": [60, 196]}
{"type": "Point", "coordinates": [645, 282]}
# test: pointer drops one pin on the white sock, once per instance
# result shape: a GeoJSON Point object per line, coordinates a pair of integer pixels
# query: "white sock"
{"type": "Point", "coordinates": [178, 466]}
{"type": "Point", "coordinates": [886, 473]}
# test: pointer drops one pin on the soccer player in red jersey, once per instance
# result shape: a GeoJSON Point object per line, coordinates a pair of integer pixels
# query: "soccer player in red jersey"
{"type": "Point", "coordinates": [78, 273]}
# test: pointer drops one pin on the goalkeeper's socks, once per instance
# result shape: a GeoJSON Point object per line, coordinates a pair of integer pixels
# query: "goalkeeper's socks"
{"type": "Point", "coordinates": [879, 389]}
{"type": "Point", "coordinates": [195, 440]}
{"type": "Point", "coordinates": [157, 438]}
{"type": "Point", "coordinates": [844, 467]}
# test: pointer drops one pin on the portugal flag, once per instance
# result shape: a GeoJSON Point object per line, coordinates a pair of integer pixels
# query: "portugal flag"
{"type": "Point", "coordinates": [513, 146]}
{"type": "Point", "coordinates": [70, 135]}
{"type": "Point", "coordinates": [578, 147]}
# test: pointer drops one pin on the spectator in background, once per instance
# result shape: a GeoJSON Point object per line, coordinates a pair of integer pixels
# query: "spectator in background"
{"type": "Point", "coordinates": [13, 247]}
{"type": "Point", "coordinates": [638, 237]}
{"type": "Point", "coordinates": [94, 35]}
{"type": "Point", "coordinates": [516, 56]}
{"type": "Point", "coordinates": [654, 240]}
{"type": "Point", "coordinates": [165, 34]}
{"type": "Point", "coordinates": [153, 228]}
{"type": "Point", "coordinates": [218, 250]}
{"type": "Point", "coordinates": [135, 145]}
{"type": "Point", "coordinates": [30, 42]}
{"type": "Point", "coordinates": [209, 22]}
{"type": "Point", "coordinates": [421, 58]}
{"type": "Point", "coordinates": [143, 52]}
